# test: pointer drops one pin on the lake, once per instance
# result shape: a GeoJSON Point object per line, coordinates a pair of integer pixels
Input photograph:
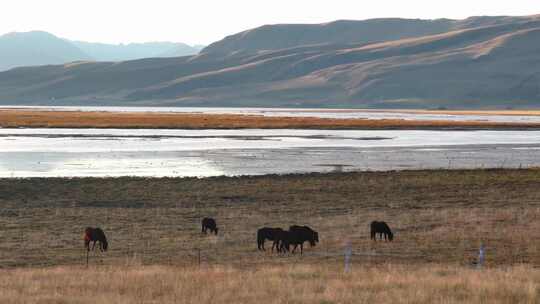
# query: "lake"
{"type": "Point", "coordinates": [204, 153]}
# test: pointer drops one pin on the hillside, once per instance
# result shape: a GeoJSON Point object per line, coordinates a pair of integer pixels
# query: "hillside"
{"type": "Point", "coordinates": [282, 36]}
{"type": "Point", "coordinates": [481, 62]}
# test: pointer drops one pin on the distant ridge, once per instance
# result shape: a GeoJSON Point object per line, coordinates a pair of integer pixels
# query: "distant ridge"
{"type": "Point", "coordinates": [479, 62]}
{"type": "Point", "coordinates": [36, 48]}
{"type": "Point", "coordinates": [42, 48]}
{"type": "Point", "coordinates": [133, 51]}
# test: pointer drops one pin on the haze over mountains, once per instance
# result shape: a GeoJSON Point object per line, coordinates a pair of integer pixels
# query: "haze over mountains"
{"type": "Point", "coordinates": [42, 48]}
{"type": "Point", "coordinates": [479, 62]}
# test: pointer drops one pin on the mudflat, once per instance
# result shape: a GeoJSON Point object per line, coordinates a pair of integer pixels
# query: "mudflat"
{"type": "Point", "coordinates": [15, 118]}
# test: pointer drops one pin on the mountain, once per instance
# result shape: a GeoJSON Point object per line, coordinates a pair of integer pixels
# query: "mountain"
{"type": "Point", "coordinates": [480, 62]}
{"type": "Point", "coordinates": [36, 48]}
{"type": "Point", "coordinates": [283, 36]}
{"type": "Point", "coordinates": [41, 48]}
{"type": "Point", "coordinates": [181, 49]}
{"type": "Point", "coordinates": [123, 52]}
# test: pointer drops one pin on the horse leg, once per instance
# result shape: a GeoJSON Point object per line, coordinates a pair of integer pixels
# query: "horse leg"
{"type": "Point", "coordinates": [302, 249]}
{"type": "Point", "coordinates": [284, 247]}
{"type": "Point", "coordinates": [94, 246]}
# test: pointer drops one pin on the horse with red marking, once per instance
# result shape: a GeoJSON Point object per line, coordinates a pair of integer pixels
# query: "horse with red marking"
{"type": "Point", "coordinates": [95, 235]}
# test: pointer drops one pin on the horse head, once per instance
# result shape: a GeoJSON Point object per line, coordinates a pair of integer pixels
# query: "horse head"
{"type": "Point", "coordinates": [104, 244]}
{"type": "Point", "coordinates": [314, 239]}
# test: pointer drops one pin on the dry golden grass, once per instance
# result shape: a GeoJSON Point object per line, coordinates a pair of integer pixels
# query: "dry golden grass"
{"type": "Point", "coordinates": [297, 283]}
{"type": "Point", "coordinates": [10, 118]}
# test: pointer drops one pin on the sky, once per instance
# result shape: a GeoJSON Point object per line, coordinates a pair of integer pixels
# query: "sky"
{"type": "Point", "coordinates": [206, 21]}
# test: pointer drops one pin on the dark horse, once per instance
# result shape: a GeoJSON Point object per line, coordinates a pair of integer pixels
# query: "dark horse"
{"type": "Point", "coordinates": [382, 229]}
{"type": "Point", "coordinates": [209, 224]}
{"type": "Point", "coordinates": [95, 235]}
{"type": "Point", "coordinates": [297, 235]}
{"type": "Point", "coordinates": [271, 234]}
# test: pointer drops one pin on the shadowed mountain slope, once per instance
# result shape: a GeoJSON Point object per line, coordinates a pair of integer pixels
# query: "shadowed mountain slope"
{"type": "Point", "coordinates": [494, 65]}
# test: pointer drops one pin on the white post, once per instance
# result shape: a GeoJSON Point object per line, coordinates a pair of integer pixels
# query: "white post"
{"type": "Point", "coordinates": [481, 256]}
{"type": "Point", "coordinates": [348, 254]}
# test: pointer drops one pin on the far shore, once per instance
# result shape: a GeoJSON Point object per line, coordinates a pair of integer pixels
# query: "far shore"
{"type": "Point", "coordinates": [36, 118]}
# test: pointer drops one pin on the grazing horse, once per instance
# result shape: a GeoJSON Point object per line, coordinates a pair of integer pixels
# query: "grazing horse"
{"type": "Point", "coordinates": [382, 229]}
{"type": "Point", "coordinates": [297, 235]}
{"type": "Point", "coordinates": [282, 241]}
{"type": "Point", "coordinates": [271, 234]}
{"type": "Point", "coordinates": [95, 235]}
{"type": "Point", "coordinates": [209, 224]}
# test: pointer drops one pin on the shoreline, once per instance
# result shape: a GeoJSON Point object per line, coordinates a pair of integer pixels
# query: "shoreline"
{"type": "Point", "coordinates": [15, 118]}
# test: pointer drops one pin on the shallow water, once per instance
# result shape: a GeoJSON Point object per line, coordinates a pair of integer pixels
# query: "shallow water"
{"type": "Point", "coordinates": [203, 153]}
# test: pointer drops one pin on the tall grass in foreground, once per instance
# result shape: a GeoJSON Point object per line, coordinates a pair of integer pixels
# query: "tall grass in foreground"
{"type": "Point", "coordinates": [300, 283]}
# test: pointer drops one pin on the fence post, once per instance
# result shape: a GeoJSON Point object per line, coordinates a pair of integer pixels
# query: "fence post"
{"type": "Point", "coordinates": [348, 254]}
{"type": "Point", "coordinates": [481, 256]}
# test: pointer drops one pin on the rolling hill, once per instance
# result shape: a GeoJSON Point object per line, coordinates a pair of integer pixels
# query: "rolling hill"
{"type": "Point", "coordinates": [479, 62]}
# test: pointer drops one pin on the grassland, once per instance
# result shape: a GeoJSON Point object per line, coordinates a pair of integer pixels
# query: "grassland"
{"type": "Point", "coordinates": [14, 118]}
{"type": "Point", "coordinates": [158, 255]}
{"type": "Point", "coordinates": [297, 283]}
{"type": "Point", "coordinates": [438, 217]}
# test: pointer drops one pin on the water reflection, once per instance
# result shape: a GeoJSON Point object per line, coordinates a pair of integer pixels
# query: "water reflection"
{"type": "Point", "coordinates": [88, 152]}
{"type": "Point", "coordinates": [51, 164]}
